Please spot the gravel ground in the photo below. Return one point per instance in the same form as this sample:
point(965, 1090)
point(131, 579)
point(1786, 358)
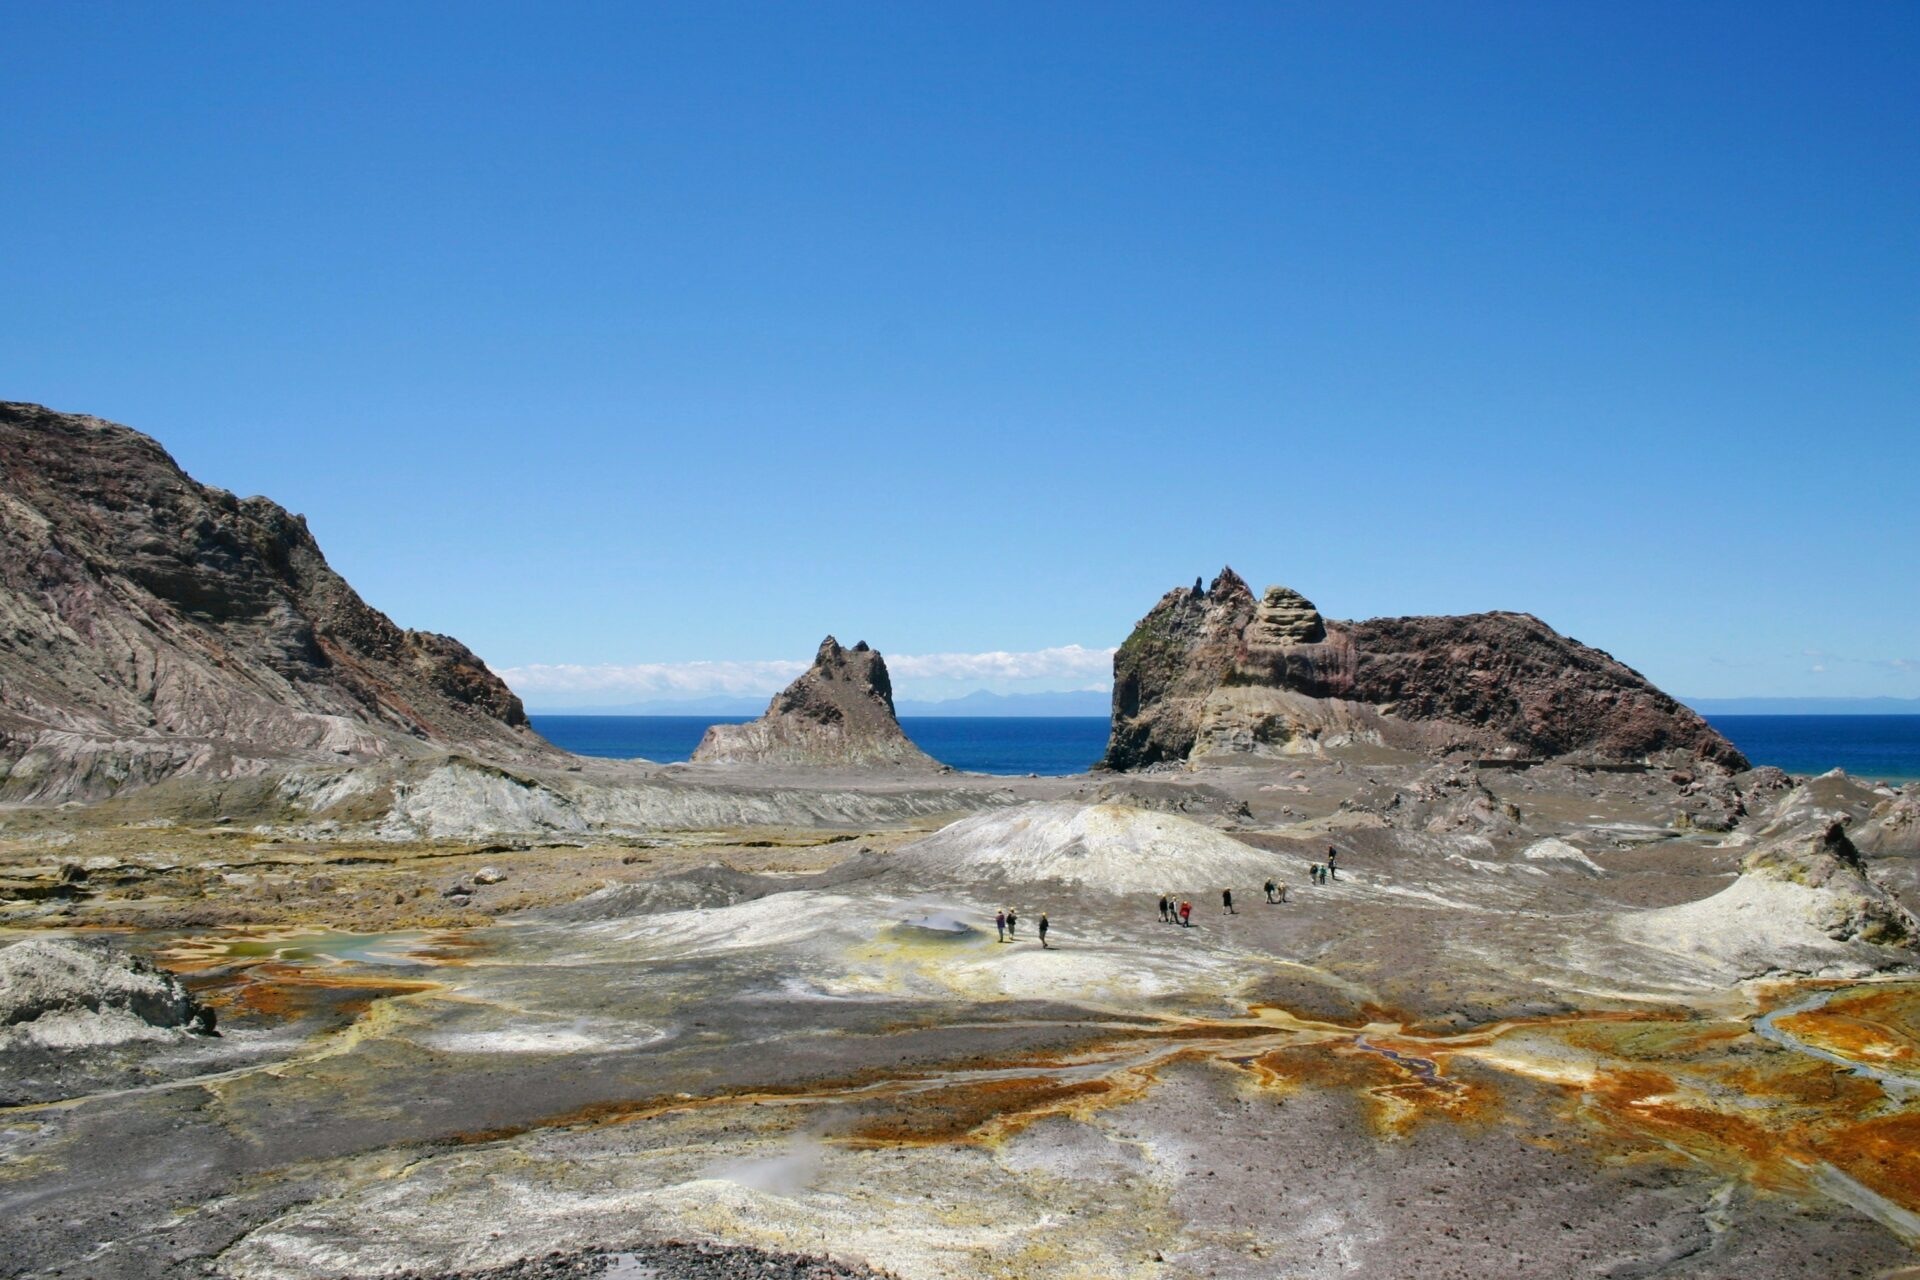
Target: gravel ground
point(670, 1261)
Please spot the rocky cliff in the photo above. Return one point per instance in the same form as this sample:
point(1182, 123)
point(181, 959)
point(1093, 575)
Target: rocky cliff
point(1215, 671)
point(152, 626)
point(838, 714)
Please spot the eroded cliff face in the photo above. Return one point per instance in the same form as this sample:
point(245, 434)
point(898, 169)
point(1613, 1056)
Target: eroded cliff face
point(1213, 671)
point(153, 626)
point(838, 714)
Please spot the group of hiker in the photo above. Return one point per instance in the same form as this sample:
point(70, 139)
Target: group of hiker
point(1007, 923)
point(1181, 912)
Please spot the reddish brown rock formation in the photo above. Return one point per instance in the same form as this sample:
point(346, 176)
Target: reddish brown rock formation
point(838, 714)
point(150, 625)
point(1214, 671)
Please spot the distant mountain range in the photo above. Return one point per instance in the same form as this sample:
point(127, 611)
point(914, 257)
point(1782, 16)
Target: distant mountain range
point(1084, 702)
point(1805, 706)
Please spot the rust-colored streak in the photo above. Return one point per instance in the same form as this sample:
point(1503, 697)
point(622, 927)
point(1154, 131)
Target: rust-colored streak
point(971, 1110)
point(286, 991)
point(1879, 1028)
point(1655, 1085)
point(1882, 1153)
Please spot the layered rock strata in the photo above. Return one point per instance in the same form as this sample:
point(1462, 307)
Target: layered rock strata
point(152, 626)
point(839, 714)
point(1214, 671)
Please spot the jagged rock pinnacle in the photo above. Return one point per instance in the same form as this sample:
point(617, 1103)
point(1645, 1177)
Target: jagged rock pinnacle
point(839, 714)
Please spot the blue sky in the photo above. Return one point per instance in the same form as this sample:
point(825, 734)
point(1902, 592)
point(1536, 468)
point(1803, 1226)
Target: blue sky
point(625, 336)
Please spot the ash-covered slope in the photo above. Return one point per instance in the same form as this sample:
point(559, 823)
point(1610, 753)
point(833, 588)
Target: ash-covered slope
point(839, 713)
point(152, 626)
point(1214, 671)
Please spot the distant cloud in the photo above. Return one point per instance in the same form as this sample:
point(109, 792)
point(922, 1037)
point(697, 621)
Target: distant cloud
point(654, 679)
point(1065, 662)
point(1064, 666)
point(1823, 658)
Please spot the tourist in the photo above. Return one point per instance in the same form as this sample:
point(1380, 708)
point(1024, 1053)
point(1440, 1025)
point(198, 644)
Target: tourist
point(1280, 893)
point(1332, 855)
point(1013, 922)
point(1226, 902)
point(1270, 888)
point(1000, 925)
point(1186, 914)
point(1166, 909)
point(1043, 930)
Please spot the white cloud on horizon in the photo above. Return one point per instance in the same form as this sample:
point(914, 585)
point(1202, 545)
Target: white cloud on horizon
point(1061, 667)
point(1063, 662)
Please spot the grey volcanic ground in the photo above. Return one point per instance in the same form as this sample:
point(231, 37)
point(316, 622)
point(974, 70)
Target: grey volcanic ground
point(1549, 1021)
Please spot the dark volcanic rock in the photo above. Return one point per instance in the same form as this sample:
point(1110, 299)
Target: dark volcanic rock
point(152, 626)
point(839, 713)
point(1216, 672)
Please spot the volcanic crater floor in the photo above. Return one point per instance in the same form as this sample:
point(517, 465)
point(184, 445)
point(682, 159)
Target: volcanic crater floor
point(1452, 1060)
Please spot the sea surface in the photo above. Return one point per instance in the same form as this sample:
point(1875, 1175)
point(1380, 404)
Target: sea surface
point(974, 744)
point(1885, 747)
point(1865, 746)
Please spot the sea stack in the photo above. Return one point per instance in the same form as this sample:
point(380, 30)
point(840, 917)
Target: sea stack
point(839, 714)
point(1217, 672)
point(154, 627)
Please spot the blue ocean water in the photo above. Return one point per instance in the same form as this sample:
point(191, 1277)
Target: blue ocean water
point(1885, 747)
point(976, 744)
point(1865, 746)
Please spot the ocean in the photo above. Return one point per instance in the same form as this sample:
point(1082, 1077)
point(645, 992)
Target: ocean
point(1866, 746)
point(1884, 747)
point(976, 744)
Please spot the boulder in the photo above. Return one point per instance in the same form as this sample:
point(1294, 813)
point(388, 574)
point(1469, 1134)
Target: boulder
point(70, 995)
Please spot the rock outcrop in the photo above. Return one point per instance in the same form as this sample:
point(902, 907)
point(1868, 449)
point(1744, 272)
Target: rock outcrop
point(839, 714)
point(1213, 671)
point(1803, 903)
point(153, 626)
point(63, 994)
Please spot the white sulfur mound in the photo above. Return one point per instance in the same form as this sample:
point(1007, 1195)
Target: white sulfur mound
point(1552, 850)
point(1104, 846)
point(1802, 904)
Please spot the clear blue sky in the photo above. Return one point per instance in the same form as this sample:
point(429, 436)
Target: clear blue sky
point(608, 334)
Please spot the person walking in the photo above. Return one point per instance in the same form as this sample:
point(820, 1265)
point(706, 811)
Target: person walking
point(1166, 908)
point(1186, 914)
point(1043, 932)
point(1226, 902)
point(1000, 925)
point(1333, 856)
point(1013, 922)
point(1270, 888)
point(1281, 891)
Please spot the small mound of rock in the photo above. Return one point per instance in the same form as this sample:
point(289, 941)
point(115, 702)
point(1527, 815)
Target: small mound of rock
point(697, 888)
point(1803, 904)
point(674, 1260)
point(1104, 846)
point(61, 994)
